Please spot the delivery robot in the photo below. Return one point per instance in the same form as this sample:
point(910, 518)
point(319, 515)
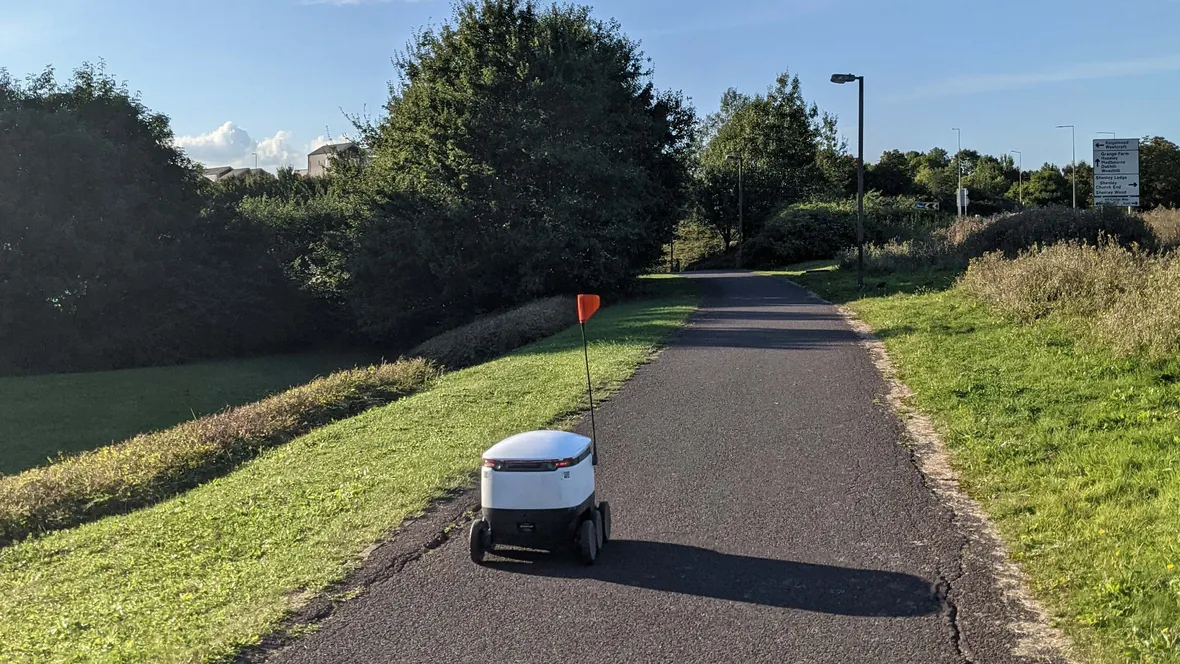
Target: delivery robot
point(537, 488)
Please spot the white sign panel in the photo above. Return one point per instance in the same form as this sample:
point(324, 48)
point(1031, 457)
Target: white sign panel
point(1116, 171)
point(1104, 144)
point(1121, 162)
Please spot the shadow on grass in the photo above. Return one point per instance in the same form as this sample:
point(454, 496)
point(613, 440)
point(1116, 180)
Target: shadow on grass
point(690, 570)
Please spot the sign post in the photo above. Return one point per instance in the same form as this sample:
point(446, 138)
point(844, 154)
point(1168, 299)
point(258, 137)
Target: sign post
point(587, 306)
point(1116, 171)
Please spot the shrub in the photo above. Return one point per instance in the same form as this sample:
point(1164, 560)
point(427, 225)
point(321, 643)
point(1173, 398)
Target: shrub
point(695, 242)
point(1166, 225)
point(494, 335)
point(967, 238)
point(1124, 298)
point(817, 230)
point(904, 256)
point(798, 234)
point(1147, 318)
point(1072, 278)
point(154, 466)
point(1014, 233)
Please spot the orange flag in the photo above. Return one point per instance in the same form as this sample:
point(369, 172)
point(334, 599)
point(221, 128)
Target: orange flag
point(587, 305)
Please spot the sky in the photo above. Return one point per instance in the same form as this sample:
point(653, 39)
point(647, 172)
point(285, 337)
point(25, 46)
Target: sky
point(276, 77)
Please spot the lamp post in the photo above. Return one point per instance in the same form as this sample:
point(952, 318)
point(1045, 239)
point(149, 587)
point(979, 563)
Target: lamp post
point(860, 174)
point(959, 167)
point(1073, 164)
point(741, 220)
point(1019, 176)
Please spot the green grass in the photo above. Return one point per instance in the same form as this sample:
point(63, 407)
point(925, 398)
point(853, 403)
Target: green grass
point(1072, 451)
point(68, 413)
point(199, 576)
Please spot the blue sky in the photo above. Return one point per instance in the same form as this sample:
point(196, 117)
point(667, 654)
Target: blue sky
point(271, 76)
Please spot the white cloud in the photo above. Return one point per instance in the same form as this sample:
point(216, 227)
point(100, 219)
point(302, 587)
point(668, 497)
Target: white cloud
point(230, 145)
point(979, 84)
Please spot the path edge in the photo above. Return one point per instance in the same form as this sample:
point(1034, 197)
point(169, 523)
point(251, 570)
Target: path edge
point(1036, 637)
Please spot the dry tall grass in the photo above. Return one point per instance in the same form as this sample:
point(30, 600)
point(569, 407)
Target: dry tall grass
point(953, 247)
point(1128, 299)
point(1166, 224)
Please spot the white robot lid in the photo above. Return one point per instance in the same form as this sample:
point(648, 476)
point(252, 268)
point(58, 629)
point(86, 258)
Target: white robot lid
point(538, 446)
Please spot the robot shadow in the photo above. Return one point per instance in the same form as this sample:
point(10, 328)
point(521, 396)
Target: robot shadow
point(690, 570)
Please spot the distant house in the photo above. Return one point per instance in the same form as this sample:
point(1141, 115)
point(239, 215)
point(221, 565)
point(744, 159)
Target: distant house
point(217, 172)
point(319, 161)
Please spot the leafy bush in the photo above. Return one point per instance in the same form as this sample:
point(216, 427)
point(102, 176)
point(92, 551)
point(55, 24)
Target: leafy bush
point(823, 229)
point(798, 234)
point(494, 335)
point(154, 466)
point(695, 241)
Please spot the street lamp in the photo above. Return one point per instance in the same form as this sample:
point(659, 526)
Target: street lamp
point(959, 164)
point(741, 221)
point(1074, 164)
point(255, 160)
point(860, 175)
point(1019, 176)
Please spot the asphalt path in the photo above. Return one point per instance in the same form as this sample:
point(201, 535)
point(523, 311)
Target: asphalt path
point(765, 509)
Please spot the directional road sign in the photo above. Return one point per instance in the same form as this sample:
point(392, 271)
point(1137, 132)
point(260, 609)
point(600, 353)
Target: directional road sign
point(924, 205)
point(1116, 171)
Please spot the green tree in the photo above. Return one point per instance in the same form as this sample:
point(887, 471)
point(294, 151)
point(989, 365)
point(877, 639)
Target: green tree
point(778, 135)
point(1045, 187)
point(107, 258)
point(1159, 173)
point(838, 167)
point(892, 175)
point(525, 152)
point(1085, 184)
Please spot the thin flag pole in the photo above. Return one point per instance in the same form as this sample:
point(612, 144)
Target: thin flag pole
point(590, 391)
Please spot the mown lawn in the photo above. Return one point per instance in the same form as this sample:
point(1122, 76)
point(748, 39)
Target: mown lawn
point(44, 416)
point(199, 576)
point(1073, 452)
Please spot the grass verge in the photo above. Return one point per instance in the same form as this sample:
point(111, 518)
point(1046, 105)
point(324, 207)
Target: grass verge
point(46, 416)
point(200, 576)
point(151, 467)
point(1073, 451)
